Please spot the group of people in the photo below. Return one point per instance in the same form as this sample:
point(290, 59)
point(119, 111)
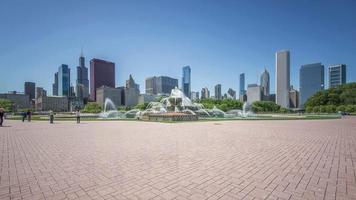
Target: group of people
point(27, 114)
point(51, 116)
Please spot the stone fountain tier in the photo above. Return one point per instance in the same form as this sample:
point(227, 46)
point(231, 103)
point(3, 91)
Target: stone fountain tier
point(170, 116)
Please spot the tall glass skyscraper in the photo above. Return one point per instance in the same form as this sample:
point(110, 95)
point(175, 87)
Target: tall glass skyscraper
point(186, 81)
point(82, 87)
point(337, 75)
point(63, 80)
point(265, 83)
point(282, 78)
point(218, 94)
point(55, 85)
point(242, 85)
point(311, 80)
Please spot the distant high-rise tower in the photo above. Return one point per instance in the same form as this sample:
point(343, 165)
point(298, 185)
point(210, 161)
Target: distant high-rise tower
point(55, 85)
point(205, 93)
point(218, 94)
point(82, 87)
point(186, 81)
point(242, 86)
point(63, 80)
point(337, 75)
point(265, 82)
point(30, 89)
point(282, 78)
point(102, 73)
point(311, 80)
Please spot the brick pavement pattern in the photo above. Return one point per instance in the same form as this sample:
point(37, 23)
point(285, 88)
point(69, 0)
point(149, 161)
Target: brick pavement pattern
point(200, 160)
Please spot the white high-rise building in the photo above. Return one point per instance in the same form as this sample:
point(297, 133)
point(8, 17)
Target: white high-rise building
point(282, 78)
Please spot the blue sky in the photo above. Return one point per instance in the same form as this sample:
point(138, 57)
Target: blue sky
point(219, 39)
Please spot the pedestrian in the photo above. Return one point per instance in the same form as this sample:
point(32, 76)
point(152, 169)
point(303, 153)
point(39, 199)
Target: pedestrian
point(77, 114)
point(2, 113)
point(29, 115)
point(51, 116)
point(24, 115)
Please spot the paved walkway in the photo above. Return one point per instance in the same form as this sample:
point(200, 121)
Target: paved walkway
point(200, 160)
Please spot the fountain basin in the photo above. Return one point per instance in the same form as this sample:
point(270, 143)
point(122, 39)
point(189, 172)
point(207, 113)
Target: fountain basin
point(170, 116)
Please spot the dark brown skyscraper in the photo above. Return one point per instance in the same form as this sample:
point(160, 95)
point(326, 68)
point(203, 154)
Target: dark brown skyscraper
point(101, 73)
point(30, 89)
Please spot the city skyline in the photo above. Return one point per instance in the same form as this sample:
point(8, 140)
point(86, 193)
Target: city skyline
point(220, 60)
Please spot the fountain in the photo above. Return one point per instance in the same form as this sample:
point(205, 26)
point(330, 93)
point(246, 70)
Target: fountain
point(176, 107)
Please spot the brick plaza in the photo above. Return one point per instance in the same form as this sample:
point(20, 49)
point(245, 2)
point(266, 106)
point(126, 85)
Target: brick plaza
point(301, 159)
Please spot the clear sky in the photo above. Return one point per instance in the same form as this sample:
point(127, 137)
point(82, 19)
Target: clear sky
point(219, 39)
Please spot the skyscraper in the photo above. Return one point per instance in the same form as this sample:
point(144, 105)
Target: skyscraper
point(55, 85)
point(337, 75)
point(242, 86)
point(30, 89)
point(311, 80)
point(282, 78)
point(102, 73)
point(186, 84)
point(218, 94)
point(82, 87)
point(205, 93)
point(40, 92)
point(265, 82)
point(254, 93)
point(63, 80)
point(160, 85)
point(231, 93)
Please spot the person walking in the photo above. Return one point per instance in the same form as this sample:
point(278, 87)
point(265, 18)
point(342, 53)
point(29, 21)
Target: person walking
point(77, 114)
point(2, 113)
point(29, 115)
point(51, 116)
point(24, 115)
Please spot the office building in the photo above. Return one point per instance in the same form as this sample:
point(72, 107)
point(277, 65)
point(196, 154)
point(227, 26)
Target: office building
point(30, 89)
point(293, 98)
point(63, 80)
point(19, 101)
point(54, 103)
point(205, 93)
point(242, 86)
point(55, 85)
point(337, 75)
point(132, 92)
point(104, 92)
point(40, 92)
point(160, 85)
point(82, 84)
point(217, 90)
point(231, 94)
point(102, 73)
point(186, 81)
point(194, 96)
point(265, 83)
point(282, 78)
point(311, 80)
point(131, 83)
point(254, 93)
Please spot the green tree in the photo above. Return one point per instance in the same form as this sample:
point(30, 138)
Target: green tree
point(92, 107)
point(6, 104)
